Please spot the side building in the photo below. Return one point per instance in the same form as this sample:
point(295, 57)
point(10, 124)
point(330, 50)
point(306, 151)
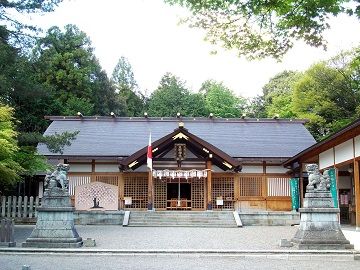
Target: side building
point(341, 151)
point(198, 163)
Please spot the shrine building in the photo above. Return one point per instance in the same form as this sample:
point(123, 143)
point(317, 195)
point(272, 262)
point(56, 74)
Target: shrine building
point(197, 163)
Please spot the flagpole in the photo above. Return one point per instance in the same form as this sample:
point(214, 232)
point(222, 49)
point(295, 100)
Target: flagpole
point(150, 205)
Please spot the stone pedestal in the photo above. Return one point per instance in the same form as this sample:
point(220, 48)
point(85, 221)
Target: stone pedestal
point(319, 225)
point(55, 223)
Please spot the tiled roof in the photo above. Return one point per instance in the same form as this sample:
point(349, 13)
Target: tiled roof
point(106, 136)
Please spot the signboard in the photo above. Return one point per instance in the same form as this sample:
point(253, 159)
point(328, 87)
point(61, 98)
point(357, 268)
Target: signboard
point(219, 200)
point(128, 200)
point(96, 196)
point(295, 193)
point(333, 187)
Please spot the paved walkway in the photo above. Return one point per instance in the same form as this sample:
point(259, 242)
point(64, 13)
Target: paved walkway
point(254, 247)
point(170, 238)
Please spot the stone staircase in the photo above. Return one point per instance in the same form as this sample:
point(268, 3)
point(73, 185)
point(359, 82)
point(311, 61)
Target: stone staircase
point(220, 219)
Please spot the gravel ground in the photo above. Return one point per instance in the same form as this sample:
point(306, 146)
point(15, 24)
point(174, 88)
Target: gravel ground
point(117, 237)
point(249, 238)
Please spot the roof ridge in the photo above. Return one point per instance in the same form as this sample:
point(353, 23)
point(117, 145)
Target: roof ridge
point(174, 119)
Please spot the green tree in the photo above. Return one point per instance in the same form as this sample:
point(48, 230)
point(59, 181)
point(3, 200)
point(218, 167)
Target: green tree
point(259, 29)
point(221, 101)
point(131, 99)
point(278, 94)
point(20, 90)
point(320, 95)
point(66, 64)
point(10, 169)
point(172, 97)
point(256, 107)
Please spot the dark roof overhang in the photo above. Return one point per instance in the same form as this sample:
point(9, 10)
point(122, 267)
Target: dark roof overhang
point(196, 144)
point(348, 132)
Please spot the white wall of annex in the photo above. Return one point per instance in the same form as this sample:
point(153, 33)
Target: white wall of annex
point(326, 158)
point(357, 146)
point(106, 168)
point(276, 169)
point(344, 151)
point(252, 169)
point(80, 167)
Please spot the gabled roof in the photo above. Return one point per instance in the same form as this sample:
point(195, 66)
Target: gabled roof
point(346, 133)
point(198, 145)
point(239, 138)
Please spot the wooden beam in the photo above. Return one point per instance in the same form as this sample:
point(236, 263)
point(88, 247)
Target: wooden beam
point(209, 185)
point(357, 194)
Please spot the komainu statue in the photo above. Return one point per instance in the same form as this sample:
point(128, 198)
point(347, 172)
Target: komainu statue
point(58, 178)
point(317, 181)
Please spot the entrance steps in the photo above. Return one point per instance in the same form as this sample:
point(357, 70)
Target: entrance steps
point(219, 219)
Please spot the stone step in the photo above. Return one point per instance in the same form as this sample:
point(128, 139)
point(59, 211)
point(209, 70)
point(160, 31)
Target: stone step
point(181, 225)
point(182, 218)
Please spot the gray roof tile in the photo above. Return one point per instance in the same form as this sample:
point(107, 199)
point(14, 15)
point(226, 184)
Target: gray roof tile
point(238, 138)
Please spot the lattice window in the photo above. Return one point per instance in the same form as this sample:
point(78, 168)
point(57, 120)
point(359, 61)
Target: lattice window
point(251, 186)
point(223, 187)
point(160, 194)
point(108, 179)
point(136, 187)
point(77, 180)
point(197, 194)
point(278, 186)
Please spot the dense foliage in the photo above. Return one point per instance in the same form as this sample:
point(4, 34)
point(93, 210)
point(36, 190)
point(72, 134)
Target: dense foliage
point(259, 29)
point(327, 94)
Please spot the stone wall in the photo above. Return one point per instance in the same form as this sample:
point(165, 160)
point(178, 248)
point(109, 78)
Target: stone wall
point(266, 218)
point(98, 217)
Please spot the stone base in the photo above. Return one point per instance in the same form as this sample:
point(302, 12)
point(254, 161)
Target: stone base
point(53, 243)
point(325, 246)
point(55, 225)
point(319, 226)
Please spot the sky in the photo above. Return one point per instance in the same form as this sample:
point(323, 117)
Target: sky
point(147, 33)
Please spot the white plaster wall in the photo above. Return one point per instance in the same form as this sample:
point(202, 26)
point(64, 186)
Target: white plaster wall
point(326, 158)
point(276, 169)
point(344, 182)
point(344, 151)
point(106, 168)
point(252, 169)
point(357, 146)
point(80, 167)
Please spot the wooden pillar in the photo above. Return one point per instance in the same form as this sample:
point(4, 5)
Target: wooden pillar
point(209, 185)
point(121, 190)
point(264, 184)
point(237, 191)
point(150, 205)
point(301, 185)
point(357, 194)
